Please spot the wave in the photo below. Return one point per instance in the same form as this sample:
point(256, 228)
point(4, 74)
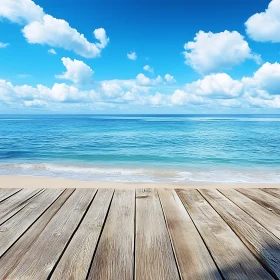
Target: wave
point(122, 174)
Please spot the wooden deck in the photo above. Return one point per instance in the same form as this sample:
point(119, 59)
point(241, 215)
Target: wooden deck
point(154, 234)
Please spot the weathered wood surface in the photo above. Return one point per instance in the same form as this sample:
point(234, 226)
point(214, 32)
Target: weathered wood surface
point(273, 192)
point(13, 228)
point(38, 261)
point(15, 203)
point(141, 234)
point(114, 257)
point(154, 258)
point(265, 217)
point(193, 258)
point(263, 244)
point(264, 199)
point(233, 258)
point(5, 193)
point(76, 260)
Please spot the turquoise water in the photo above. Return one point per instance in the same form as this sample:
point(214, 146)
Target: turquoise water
point(171, 148)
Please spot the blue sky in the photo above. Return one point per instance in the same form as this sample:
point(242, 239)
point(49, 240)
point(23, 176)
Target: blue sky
point(107, 56)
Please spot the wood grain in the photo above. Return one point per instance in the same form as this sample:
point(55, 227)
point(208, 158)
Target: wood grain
point(76, 259)
point(12, 257)
point(265, 217)
point(154, 258)
point(12, 229)
point(114, 256)
point(5, 193)
point(42, 255)
point(264, 245)
point(233, 258)
point(193, 258)
point(273, 192)
point(264, 199)
point(15, 203)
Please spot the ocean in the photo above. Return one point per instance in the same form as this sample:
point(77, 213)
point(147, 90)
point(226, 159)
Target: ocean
point(142, 148)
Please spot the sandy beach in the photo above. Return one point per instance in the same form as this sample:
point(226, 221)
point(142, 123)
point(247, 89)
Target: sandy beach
point(41, 182)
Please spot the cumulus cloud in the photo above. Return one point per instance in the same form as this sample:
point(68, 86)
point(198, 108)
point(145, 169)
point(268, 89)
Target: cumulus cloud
point(52, 51)
point(148, 68)
point(213, 52)
point(262, 90)
point(169, 79)
point(41, 28)
point(21, 11)
point(265, 26)
point(41, 95)
point(266, 78)
point(111, 90)
point(145, 81)
point(220, 86)
point(76, 71)
point(3, 45)
point(181, 97)
point(35, 103)
point(213, 91)
point(132, 56)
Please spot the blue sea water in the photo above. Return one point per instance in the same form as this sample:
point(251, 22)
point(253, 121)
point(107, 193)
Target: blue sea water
point(142, 148)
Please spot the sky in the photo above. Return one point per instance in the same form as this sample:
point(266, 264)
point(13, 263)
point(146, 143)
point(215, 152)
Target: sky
point(149, 56)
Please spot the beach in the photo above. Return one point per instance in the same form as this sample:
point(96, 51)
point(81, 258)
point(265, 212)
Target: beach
point(139, 197)
point(44, 182)
point(181, 149)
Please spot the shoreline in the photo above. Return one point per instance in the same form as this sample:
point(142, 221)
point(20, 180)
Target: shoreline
point(17, 181)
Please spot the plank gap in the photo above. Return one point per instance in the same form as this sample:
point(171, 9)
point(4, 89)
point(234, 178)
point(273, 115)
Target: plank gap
point(35, 222)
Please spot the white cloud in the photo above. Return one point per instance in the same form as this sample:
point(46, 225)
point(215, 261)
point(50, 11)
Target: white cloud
point(111, 90)
point(157, 100)
point(214, 91)
point(52, 51)
point(30, 96)
point(143, 80)
point(35, 103)
point(169, 79)
point(231, 103)
point(132, 56)
point(77, 71)
point(44, 29)
point(3, 45)
point(265, 26)
point(100, 34)
point(20, 11)
point(181, 97)
point(266, 78)
point(213, 52)
point(219, 86)
point(262, 90)
point(148, 68)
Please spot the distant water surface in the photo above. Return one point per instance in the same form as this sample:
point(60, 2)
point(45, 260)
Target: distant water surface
point(142, 148)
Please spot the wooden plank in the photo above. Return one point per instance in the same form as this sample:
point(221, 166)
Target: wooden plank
point(264, 199)
point(5, 193)
point(154, 258)
point(265, 217)
point(41, 256)
point(193, 258)
point(264, 245)
point(274, 192)
point(13, 256)
point(15, 203)
point(114, 255)
point(13, 228)
point(76, 260)
point(233, 258)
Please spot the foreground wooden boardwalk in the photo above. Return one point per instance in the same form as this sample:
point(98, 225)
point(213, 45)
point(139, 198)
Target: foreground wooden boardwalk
point(139, 234)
